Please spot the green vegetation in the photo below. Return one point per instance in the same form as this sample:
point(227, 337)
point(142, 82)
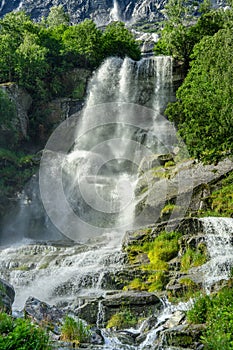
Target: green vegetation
point(193, 257)
point(75, 331)
point(182, 30)
point(159, 252)
point(122, 319)
point(168, 209)
point(204, 105)
point(38, 57)
point(220, 201)
point(21, 334)
point(35, 54)
point(15, 169)
point(164, 248)
point(7, 110)
point(216, 312)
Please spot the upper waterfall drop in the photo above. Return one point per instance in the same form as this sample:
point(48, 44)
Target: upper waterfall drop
point(115, 12)
point(113, 133)
point(109, 134)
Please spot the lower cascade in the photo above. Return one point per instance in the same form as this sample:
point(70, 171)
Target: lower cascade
point(66, 243)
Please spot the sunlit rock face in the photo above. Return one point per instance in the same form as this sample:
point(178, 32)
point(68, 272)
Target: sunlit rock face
point(102, 11)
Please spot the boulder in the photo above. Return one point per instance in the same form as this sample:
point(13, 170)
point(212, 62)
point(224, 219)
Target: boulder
point(99, 311)
point(42, 313)
point(175, 319)
point(7, 296)
point(89, 310)
point(141, 304)
point(184, 336)
point(184, 186)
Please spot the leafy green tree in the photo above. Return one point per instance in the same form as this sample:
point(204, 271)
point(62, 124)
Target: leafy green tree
point(17, 23)
point(8, 46)
point(117, 40)
point(31, 64)
point(7, 109)
point(182, 30)
point(12, 29)
point(203, 111)
point(56, 17)
point(82, 43)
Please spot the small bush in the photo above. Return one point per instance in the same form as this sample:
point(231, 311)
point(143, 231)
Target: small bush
point(136, 284)
point(75, 330)
point(160, 251)
point(193, 258)
point(157, 281)
point(122, 319)
point(21, 334)
point(6, 324)
point(198, 314)
point(164, 248)
point(217, 312)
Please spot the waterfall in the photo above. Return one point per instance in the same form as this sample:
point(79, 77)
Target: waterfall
point(114, 133)
point(98, 177)
point(218, 236)
point(115, 12)
point(120, 124)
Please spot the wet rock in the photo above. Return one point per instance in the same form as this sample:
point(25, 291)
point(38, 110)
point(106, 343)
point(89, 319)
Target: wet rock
point(96, 337)
point(7, 296)
point(153, 161)
point(175, 319)
point(42, 313)
point(126, 337)
point(189, 227)
point(184, 336)
point(148, 324)
point(22, 101)
point(141, 304)
point(88, 310)
point(186, 184)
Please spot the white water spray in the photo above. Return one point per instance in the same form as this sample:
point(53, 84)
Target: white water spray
point(218, 235)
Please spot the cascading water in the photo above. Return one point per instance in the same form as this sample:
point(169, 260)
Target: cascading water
point(98, 177)
point(218, 235)
point(115, 13)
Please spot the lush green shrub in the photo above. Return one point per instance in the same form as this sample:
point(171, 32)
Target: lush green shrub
point(75, 331)
point(159, 252)
point(162, 249)
point(203, 107)
point(122, 319)
point(193, 257)
point(182, 30)
point(117, 40)
point(6, 324)
point(217, 312)
point(21, 334)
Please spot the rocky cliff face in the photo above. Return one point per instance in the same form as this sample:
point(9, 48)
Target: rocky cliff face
point(22, 102)
point(102, 11)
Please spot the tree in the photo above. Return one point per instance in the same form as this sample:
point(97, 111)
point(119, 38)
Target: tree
point(31, 64)
point(182, 30)
point(7, 109)
point(8, 46)
point(17, 23)
point(203, 111)
point(119, 41)
point(82, 43)
point(56, 17)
